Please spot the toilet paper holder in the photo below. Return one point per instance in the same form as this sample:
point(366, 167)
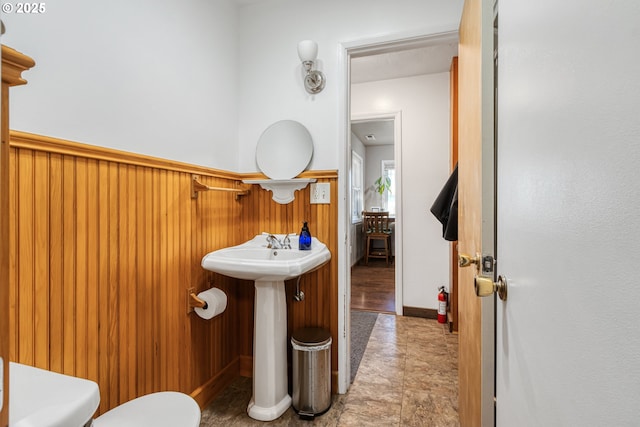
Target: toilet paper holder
point(193, 301)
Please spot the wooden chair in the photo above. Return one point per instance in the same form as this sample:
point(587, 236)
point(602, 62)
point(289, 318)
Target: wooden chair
point(376, 227)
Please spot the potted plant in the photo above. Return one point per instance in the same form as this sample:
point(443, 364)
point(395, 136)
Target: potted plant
point(381, 185)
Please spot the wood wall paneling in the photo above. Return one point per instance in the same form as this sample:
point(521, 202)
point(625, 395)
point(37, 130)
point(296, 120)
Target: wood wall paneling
point(103, 253)
point(105, 245)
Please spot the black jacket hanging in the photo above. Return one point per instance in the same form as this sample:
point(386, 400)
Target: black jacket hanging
point(445, 207)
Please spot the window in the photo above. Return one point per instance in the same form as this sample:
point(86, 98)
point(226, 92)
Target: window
point(389, 197)
point(357, 195)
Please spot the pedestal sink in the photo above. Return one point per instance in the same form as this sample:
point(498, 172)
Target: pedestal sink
point(268, 268)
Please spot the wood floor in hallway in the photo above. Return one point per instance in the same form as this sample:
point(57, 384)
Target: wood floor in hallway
point(408, 377)
point(373, 287)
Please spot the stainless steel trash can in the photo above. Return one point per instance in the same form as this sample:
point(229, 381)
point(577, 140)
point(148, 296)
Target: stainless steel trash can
point(311, 360)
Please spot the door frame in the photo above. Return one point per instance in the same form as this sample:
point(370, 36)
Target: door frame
point(433, 35)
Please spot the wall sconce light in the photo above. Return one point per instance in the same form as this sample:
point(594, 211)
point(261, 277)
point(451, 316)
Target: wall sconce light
point(314, 80)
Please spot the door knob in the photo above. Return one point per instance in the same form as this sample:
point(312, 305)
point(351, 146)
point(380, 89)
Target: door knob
point(465, 260)
point(485, 286)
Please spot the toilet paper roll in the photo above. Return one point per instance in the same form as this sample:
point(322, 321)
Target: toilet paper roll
point(216, 301)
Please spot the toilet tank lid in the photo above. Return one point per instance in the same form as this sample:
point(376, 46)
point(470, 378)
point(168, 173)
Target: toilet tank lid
point(161, 409)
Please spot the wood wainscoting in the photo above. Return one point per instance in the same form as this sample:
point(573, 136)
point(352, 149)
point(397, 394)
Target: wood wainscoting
point(104, 245)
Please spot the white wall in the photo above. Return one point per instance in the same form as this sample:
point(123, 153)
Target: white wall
point(424, 102)
point(568, 350)
point(197, 80)
point(156, 77)
point(358, 147)
point(270, 72)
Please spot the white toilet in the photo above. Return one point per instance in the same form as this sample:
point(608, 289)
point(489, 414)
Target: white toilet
point(162, 409)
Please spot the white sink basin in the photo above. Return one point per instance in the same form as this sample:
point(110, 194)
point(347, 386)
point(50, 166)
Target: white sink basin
point(41, 398)
point(252, 260)
point(268, 268)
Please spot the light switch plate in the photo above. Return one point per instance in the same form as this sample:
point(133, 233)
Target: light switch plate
point(321, 193)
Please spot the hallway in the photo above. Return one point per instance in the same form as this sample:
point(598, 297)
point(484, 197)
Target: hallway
point(373, 287)
point(408, 377)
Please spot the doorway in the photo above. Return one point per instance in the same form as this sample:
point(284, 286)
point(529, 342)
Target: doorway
point(404, 84)
point(374, 142)
point(411, 123)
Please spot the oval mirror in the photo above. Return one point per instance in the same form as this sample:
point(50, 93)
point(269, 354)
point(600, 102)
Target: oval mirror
point(284, 150)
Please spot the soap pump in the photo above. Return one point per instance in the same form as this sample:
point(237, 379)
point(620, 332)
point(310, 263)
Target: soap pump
point(304, 241)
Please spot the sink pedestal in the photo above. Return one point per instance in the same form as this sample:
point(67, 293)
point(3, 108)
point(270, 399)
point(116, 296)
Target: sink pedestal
point(270, 395)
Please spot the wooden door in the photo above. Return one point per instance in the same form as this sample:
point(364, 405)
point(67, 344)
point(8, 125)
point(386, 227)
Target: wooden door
point(476, 234)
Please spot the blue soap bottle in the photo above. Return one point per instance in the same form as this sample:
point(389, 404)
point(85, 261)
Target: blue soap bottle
point(304, 241)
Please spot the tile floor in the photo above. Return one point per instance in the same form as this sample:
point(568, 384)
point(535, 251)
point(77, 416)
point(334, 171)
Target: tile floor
point(408, 377)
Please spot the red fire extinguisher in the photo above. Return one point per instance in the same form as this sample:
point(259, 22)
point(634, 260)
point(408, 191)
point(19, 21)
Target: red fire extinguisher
point(442, 305)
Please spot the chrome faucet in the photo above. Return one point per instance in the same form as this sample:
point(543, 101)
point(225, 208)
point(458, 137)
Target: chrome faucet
point(275, 243)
